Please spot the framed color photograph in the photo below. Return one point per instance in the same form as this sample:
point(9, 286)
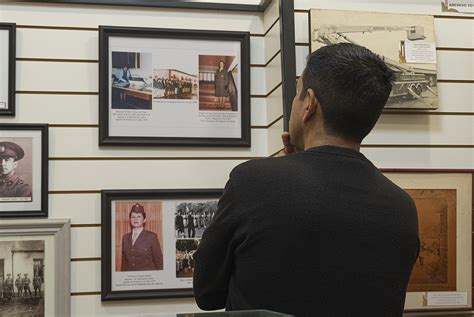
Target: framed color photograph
point(23, 170)
point(174, 87)
point(149, 238)
point(7, 67)
point(442, 275)
point(35, 268)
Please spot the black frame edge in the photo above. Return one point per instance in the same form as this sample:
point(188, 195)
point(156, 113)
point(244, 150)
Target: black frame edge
point(11, 27)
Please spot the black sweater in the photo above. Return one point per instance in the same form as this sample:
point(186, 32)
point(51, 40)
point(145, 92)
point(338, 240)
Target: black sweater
point(318, 233)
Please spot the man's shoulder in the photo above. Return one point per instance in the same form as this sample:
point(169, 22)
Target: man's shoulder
point(262, 166)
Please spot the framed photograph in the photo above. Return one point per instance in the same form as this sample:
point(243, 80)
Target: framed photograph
point(7, 65)
point(35, 268)
point(149, 238)
point(23, 170)
point(174, 87)
point(442, 277)
point(406, 43)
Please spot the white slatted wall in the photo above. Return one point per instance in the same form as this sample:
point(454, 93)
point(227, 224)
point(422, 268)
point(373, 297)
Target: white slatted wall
point(439, 139)
point(57, 83)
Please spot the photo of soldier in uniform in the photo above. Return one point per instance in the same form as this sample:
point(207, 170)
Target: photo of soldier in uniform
point(174, 84)
point(21, 269)
point(15, 169)
point(192, 218)
point(138, 236)
point(218, 83)
point(131, 80)
point(185, 249)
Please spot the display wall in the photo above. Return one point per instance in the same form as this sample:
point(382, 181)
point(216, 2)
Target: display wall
point(57, 83)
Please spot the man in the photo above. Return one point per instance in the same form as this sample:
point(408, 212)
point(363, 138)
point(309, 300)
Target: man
point(37, 285)
point(319, 231)
point(19, 285)
point(9, 287)
point(191, 225)
point(10, 184)
point(2, 286)
point(26, 284)
point(141, 250)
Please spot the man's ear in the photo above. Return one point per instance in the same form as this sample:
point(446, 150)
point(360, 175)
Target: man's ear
point(311, 105)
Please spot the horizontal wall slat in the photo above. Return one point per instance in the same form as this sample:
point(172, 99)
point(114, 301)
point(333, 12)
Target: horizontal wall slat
point(81, 209)
point(422, 129)
point(97, 175)
point(81, 45)
point(420, 157)
point(83, 109)
point(272, 42)
point(85, 144)
point(457, 65)
point(273, 73)
point(271, 14)
point(90, 305)
point(93, 16)
point(85, 242)
point(85, 276)
point(83, 77)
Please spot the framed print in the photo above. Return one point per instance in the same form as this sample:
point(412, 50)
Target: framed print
point(7, 65)
point(23, 170)
point(149, 238)
point(35, 268)
point(442, 277)
point(174, 87)
point(405, 42)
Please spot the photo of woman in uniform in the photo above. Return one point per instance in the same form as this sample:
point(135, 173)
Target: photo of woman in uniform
point(218, 83)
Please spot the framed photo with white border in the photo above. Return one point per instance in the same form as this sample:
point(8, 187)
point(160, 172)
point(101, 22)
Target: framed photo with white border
point(7, 65)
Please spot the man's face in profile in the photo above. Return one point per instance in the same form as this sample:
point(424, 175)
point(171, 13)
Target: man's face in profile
point(137, 220)
point(8, 165)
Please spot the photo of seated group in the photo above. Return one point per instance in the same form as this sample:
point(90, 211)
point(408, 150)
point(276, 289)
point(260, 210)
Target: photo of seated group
point(174, 84)
point(218, 83)
point(191, 219)
point(132, 83)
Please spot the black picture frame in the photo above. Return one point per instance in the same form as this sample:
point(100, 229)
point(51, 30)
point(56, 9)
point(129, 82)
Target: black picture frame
point(107, 32)
point(42, 211)
point(11, 72)
point(109, 196)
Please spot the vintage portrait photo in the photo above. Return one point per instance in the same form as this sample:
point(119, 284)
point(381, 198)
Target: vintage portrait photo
point(217, 83)
point(22, 278)
point(7, 65)
point(192, 218)
point(138, 236)
point(174, 87)
point(406, 43)
point(174, 84)
point(16, 170)
point(23, 170)
point(435, 269)
point(131, 80)
point(185, 249)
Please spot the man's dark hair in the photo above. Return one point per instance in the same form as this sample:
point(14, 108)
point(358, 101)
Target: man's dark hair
point(352, 85)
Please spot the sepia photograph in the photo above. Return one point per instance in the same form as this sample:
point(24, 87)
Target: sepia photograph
point(16, 169)
point(392, 37)
point(435, 269)
point(185, 249)
point(174, 84)
point(22, 278)
point(7, 65)
point(217, 83)
point(192, 218)
point(23, 170)
point(131, 79)
point(138, 236)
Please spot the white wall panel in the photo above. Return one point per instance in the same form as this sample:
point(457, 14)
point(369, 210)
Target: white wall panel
point(257, 81)
point(274, 137)
point(271, 14)
point(85, 144)
point(257, 50)
point(80, 208)
point(96, 175)
point(275, 105)
point(456, 97)
point(272, 42)
point(273, 73)
point(93, 16)
point(422, 129)
point(88, 306)
point(301, 27)
point(85, 276)
point(421, 157)
point(85, 242)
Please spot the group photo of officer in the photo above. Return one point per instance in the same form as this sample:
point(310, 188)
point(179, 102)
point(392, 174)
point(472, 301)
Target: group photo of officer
point(192, 218)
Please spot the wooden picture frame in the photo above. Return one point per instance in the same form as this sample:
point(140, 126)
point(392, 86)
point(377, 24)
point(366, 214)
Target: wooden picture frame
point(165, 271)
point(24, 181)
point(54, 237)
point(168, 87)
point(8, 77)
point(445, 204)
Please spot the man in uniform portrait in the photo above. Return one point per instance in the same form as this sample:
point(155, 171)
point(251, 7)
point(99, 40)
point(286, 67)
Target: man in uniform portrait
point(11, 185)
point(141, 250)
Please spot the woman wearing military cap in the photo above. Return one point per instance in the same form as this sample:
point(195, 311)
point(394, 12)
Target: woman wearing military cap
point(10, 184)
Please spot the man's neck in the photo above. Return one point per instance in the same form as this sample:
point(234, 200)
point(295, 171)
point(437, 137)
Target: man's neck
point(332, 141)
point(7, 176)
